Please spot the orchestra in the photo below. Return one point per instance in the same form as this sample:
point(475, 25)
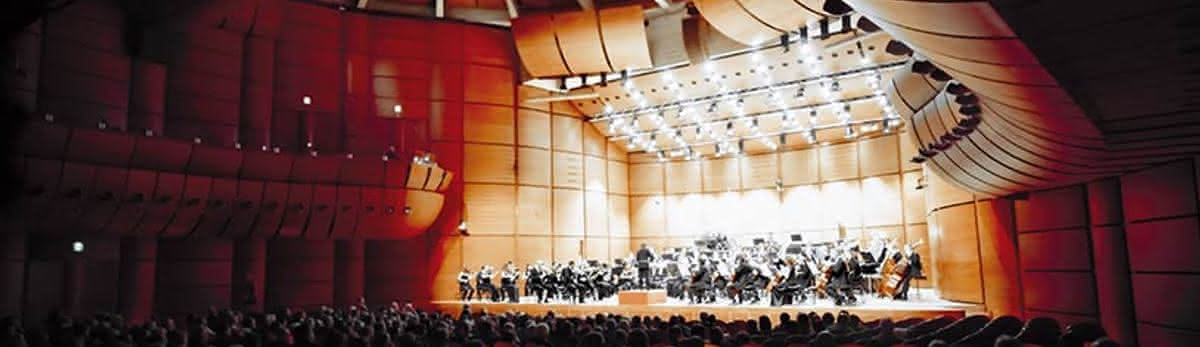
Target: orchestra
point(715, 271)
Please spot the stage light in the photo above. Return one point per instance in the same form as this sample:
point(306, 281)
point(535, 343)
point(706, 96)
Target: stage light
point(102, 124)
point(77, 247)
point(349, 155)
point(306, 100)
point(148, 132)
point(49, 117)
point(397, 109)
point(197, 140)
point(462, 227)
point(237, 145)
point(811, 136)
point(850, 131)
point(407, 211)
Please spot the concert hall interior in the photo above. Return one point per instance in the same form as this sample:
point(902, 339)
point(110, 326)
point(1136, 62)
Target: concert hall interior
point(999, 159)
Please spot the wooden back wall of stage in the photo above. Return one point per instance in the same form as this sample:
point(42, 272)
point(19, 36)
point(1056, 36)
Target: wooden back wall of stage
point(862, 186)
point(1119, 251)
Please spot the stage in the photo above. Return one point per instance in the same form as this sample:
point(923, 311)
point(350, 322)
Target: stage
point(924, 304)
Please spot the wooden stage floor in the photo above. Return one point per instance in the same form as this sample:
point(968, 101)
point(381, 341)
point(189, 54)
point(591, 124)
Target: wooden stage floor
point(925, 305)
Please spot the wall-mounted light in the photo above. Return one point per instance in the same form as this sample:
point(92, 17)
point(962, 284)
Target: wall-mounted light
point(407, 211)
point(306, 100)
point(462, 228)
point(398, 110)
point(77, 247)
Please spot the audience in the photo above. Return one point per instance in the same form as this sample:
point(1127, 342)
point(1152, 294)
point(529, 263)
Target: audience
point(403, 326)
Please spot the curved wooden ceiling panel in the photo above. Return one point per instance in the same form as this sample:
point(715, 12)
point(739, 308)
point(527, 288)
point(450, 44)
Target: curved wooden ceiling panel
point(537, 45)
point(988, 50)
point(814, 6)
point(780, 15)
point(624, 37)
point(579, 42)
point(731, 19)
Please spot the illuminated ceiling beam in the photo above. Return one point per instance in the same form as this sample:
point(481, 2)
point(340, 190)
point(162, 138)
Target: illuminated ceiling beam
point(586, 5)
point(663, 3)
point(362, 3)
point(439, 8)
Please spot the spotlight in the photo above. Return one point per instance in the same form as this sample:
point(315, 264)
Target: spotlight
point(970, 110)
point(103, 124)
point(462, 227)
point(799, 92)
point(917, 160)
point(956, 88)
point(397, 109)
point(306, 100)
point(849, 131)
point(811, 136)
point(77, 247)
point(197, 140)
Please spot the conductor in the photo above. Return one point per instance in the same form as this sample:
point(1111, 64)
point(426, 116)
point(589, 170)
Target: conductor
point(644, 256)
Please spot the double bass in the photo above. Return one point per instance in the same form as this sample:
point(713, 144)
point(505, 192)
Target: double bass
point(893, 271)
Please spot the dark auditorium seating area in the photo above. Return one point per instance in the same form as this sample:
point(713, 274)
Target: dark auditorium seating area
point(398, 325)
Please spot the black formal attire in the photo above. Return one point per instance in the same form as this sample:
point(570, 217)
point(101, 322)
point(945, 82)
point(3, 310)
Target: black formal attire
point(913, 270)
point(644, 256)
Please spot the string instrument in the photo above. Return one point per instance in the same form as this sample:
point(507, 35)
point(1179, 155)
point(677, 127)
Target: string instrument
point(893, 271)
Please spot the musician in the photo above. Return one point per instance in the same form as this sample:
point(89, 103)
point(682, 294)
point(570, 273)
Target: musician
point(796, 278)
point(744, 276)
point(464, 285)
point(840, 286)
point(508, 282)
point(698, 286)
point(644, 257)
point(602, 281)
point(912, 270)
point(483, 283)
point(566, 281)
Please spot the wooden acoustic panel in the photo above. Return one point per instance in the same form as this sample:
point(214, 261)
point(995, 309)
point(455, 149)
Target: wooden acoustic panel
point(1058, 250)
point(881, 200)
point(683, 177)
point(956, 255)
point(1153, 299)
point(759, 171)
point(532, 249)
point(533, 211)
point(568, 212)
point(682, 212)
point(488, 123)
point(618, 216)
point(998, 257)
point(488, 164)
point(646, 178)
point(618, 177)
point(799, 167)
point(728, 17)
point(579, 42)
point(533, 166)
point(1163, 191)
point(595, 214)
point(624, 36)
point(1052, 209)
point(804, 208)
point(489, 208)
point(878, 155)
point(647, 216)
point(568, 170)
point(1164, 245)
point(537, 45)
point(567, 134)
point(838, 162)
point(914, 199)
point(720, 175)
point(1066, 292)
point(780, 15)
point(533, 128)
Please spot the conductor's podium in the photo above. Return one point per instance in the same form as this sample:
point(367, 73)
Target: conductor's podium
point(642, 297)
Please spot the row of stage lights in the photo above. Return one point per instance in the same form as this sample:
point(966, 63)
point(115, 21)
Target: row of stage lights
point(726, 142)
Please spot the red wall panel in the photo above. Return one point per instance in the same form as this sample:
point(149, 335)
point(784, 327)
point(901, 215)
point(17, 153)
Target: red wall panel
point(320, 219)
point(297, 209)
point(161, 207)
point(160, 153)
point(1056, 250)
point(345, 221)
point(1168, 190)
point(270, 214)
point(71, 199)
point(1052, 209)
point(136, 280)
point(107, 193)
point(1160, 299)
point(1164, 245)
point(44, 140)
point(190, 207)
point(193, 275)
point(147, 96)
point(1066, 292)
point(348, 272)
point(100, 147)
point(138, 193)
point(395, 271)
point(299, 273)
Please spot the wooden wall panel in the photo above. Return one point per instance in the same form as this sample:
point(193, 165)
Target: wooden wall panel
point(488, 85)
point(1168, 190)
point(881, 201)
point(803, 208)
point(878, 156)
point(942, 193)
point(720, 212)
point(915, 232)
point(533, 166)
point(533, 128)
point(595, 174)
point(1066, 292)
point(799, 167)
point(489, 124)
point(647, 216)
point(619, 247)
point(494, 250)
point(1052, 209)
point(568, 248)
point(594, 143)
point(957, 260)
point(568, 170)
point(1104, 202)
point(646, 178)
point(759, 171)
point(489, 208)
point(1113, 292)
point(914, 199)
point(760, 211)
point(533, 211)
point(536, 44)
point(489, 164)
point(1158, 300)
point(1061, 250)
point(1164, 245)
point(842, 201)
point(907, 151)
point(618, 177)
point(998, 258)
point(618, 216)
point(567, 134)
point(596, 249)
point(838, 162)
point(720, 175)
point(683, 177)
point(531, 249)
point(682, 214)
point(568, 212)
point(595, 209)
